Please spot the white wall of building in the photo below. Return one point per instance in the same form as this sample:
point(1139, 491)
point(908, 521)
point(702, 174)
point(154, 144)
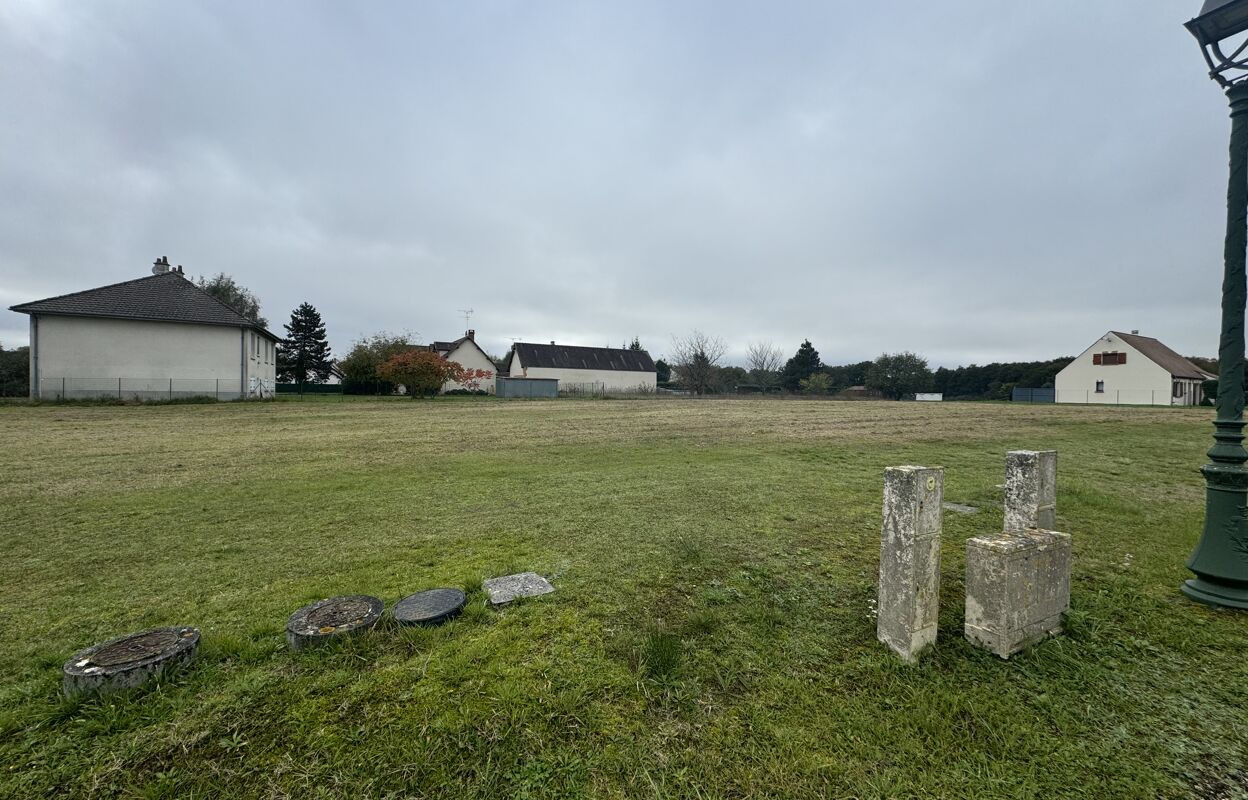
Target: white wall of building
point(612, 380)
point(469, 356)
point(1140, 381)
point(261, 364)
point(85, 356)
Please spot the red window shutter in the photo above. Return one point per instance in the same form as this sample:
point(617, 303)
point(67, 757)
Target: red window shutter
point(1096, 359)
point(1122, 358)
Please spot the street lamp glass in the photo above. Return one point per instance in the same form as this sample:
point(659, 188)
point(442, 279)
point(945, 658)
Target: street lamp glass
point(1218, 20)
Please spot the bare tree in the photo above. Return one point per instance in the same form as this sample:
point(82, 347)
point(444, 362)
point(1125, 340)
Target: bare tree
point(764, 360)
point(696, 360)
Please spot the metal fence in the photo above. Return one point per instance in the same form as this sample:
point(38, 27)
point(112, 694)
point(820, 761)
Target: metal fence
point(1091, 397)
point(151, 389)
point(1034, 395)
point(592, 389)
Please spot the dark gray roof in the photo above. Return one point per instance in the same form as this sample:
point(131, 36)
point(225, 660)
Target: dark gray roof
point(446, 347)
point(168, 297)
point(1164, 357)
point(560, 356)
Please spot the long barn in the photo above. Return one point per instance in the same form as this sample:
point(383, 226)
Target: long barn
point(616, 370)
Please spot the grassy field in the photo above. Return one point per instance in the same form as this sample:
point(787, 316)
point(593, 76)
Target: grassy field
point(712, 633)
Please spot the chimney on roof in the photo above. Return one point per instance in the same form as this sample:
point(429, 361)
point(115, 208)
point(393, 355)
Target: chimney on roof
point(160, 266)
point(472, 335)
point(1136, 332)
point(552, 342)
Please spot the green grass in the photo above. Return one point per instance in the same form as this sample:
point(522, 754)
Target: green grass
point(712, 633)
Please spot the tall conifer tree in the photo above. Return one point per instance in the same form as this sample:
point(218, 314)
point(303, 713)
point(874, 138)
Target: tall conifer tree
point(804, 363)
point(304, 356)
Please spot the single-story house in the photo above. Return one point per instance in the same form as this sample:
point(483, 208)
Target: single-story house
point(150, 338)
point(468, 354)
point(335, 376)
point(1129, 369)
point(611, 369)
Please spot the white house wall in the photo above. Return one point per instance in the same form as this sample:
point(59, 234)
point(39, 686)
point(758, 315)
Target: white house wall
point(612, 380)
point(261, 364)
point(469, 356)
point(1140, 381)
point(83, 356)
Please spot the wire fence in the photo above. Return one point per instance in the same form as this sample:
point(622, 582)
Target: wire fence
point(1189, 396)
point(152, 389)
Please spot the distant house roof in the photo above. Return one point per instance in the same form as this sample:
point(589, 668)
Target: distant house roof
point(560, 356)
point(445, 347)
point(1164, 357)
point(168, 297)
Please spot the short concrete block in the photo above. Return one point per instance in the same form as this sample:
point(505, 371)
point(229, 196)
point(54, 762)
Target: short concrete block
point(1017, 588)
point(1030, 489)
point(511, 587)
point(909, 591)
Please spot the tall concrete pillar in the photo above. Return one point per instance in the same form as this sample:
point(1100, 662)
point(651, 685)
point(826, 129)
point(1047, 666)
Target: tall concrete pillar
point(909, 590)
point(1030, 489)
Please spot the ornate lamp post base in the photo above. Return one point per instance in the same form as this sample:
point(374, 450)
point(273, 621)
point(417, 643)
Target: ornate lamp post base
point(1220, 560)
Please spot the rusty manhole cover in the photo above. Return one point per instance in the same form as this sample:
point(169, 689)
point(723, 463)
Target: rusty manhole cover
point(332, 617)
point(432, 607)
point(128, 661)
point(138, 647)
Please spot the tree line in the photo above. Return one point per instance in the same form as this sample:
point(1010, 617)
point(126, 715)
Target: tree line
point(696, 368)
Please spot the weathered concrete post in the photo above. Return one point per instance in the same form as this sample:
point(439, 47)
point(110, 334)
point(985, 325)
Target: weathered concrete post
point(1030, 489)
point(1017, 588)
point(909, 591)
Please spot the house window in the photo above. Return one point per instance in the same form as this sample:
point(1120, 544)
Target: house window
point(1100, 387)
point(1178, 389)
point(1109, 359)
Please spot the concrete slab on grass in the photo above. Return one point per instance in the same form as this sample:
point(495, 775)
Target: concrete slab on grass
point(509, 587)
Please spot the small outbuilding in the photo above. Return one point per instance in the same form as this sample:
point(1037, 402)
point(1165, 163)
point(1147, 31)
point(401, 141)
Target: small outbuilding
point(604, 369)
point(1129, 369)
point(155, 337)
point(531, 388)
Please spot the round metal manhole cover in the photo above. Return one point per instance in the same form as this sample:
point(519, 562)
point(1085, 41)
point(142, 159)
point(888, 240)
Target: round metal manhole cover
point(128, 661)
point(332, 617)
point(139, 647)
point(432, 607)
point(336, 614)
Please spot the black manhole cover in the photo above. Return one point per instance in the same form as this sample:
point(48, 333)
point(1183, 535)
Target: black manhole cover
point(429, 608)
point(128, 661)
point(335, 616)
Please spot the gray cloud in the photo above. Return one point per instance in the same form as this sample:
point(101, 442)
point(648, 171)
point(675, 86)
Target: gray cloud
point(965, 180)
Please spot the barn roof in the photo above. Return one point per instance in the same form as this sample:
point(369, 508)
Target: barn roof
point(168, 297)
point(562, 356)
point(1162, 356)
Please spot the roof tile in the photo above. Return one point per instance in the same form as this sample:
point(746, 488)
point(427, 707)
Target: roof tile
point(168, 297)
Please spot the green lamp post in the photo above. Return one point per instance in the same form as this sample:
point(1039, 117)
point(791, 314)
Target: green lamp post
point(1220, 560)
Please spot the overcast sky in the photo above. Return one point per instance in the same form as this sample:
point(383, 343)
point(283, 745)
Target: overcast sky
point(972, 180)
